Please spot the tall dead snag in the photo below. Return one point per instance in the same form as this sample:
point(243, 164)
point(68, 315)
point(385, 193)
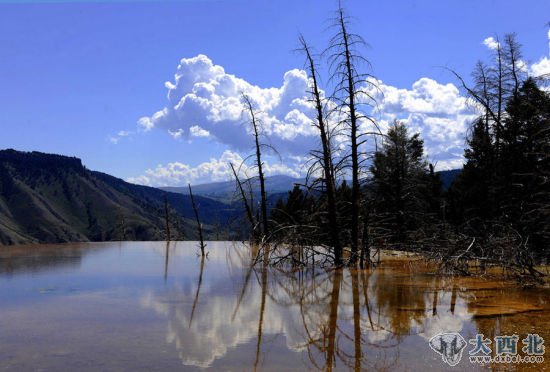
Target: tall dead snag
point(199, 226)
point(249, 214)
point(256, 128)
point(166, 218)
point(345, 61)
point(500, 95)
point(495, 84)
point(324, 157)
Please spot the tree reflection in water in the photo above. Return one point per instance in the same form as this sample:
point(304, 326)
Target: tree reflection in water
point(330, 319)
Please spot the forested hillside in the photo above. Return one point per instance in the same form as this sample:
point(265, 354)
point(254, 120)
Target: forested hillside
point(51, 198)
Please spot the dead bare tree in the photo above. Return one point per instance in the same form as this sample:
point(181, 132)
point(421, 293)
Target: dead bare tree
point(513, 58)
point(166, 218)
point(324, 157)
point(199, 225)
point(256, 129)
point(122, 225)
point(495, 84)
point(345, 62)
point(249, 214)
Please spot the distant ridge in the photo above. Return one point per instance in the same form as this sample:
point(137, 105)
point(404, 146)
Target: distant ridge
point(278, 185)
point(47, 198)
point(447, 177)
point(225, 191)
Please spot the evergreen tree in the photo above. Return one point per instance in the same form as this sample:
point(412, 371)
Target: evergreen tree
point(525, 165)
point(508, 189)
point(401, 183)
point(294, 212)
point(477, 178)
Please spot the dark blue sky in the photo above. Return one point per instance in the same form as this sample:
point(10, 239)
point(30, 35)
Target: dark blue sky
point(73, 74)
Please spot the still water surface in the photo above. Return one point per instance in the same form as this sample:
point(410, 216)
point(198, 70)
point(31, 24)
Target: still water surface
point(156, 306)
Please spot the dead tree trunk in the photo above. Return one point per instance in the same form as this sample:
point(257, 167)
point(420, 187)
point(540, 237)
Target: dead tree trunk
point(249, 214)
point(199, 225)
point(166, 218)
point(345, 61)
point(326, 158)
point(255, 127)
point(500, 99)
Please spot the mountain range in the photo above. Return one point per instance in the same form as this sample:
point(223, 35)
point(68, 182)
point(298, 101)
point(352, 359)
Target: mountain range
point(47, 198)
point(226, 191)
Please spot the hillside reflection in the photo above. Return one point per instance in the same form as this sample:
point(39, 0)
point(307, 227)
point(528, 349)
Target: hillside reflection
point(22, 259)
point(351, 319)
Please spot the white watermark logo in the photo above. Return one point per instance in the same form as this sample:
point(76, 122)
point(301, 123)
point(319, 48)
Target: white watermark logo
point(451, 345)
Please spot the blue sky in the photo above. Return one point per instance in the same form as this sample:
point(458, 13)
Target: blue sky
point(77, 76)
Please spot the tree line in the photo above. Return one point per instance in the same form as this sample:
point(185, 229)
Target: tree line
point(369, 189)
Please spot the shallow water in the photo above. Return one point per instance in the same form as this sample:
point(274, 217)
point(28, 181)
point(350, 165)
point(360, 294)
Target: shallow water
point(153, 306)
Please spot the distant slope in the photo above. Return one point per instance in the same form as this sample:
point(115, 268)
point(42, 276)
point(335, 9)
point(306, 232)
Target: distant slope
point(448, 176)
point(53, 198)
point(226, 191)
point(211, 211)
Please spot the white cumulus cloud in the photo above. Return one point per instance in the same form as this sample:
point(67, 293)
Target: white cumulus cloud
point(542, 66)
point(178, 174)
point(437, 111)
point(197, 131)
point(491, 43)
point(204, 100)
point(176, 134)
point(115, 139)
